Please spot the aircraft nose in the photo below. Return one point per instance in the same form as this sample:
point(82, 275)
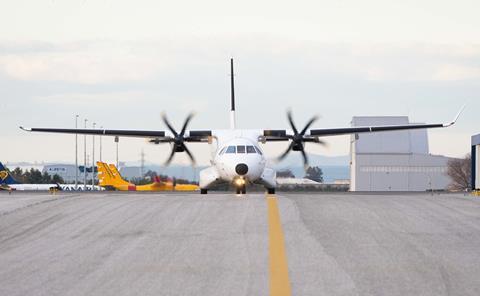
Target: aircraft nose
point(241, 169)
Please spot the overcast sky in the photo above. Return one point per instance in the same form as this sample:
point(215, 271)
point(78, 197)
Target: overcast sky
point(121, 63)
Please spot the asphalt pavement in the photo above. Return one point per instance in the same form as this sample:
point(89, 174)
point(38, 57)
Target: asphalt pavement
point(187, 244)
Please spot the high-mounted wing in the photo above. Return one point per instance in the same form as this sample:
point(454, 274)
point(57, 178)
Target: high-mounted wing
point(102, 132)
point(284, 135)
point(385, 128)
point(178, 139)
point(299, 138)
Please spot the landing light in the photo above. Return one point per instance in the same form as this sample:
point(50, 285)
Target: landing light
point(239, 182)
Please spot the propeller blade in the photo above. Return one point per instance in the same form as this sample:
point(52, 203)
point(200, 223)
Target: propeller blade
point(170, 127)
point(281, 157)
point(314, 118)
point(305, 158)
point(290, 120)
point(189, 154)
point(185, 124)
point(169, 160)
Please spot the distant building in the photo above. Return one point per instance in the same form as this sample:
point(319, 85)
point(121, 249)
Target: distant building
point(67, 172)
point(394, 161)
point(475, 162)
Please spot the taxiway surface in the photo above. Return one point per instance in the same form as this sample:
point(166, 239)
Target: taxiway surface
point(185, 244)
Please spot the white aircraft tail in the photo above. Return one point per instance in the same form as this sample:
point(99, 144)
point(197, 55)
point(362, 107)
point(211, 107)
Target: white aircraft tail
point(233, 118)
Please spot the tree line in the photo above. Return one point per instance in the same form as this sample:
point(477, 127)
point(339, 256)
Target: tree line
point(312, 173)
point(34, 176)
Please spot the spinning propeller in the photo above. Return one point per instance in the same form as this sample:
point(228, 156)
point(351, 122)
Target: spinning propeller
point(299, 139)
point(178, 139)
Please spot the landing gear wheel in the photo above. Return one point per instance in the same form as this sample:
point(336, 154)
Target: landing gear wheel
point(203, 191)
point(271, 190)
point(241, 190)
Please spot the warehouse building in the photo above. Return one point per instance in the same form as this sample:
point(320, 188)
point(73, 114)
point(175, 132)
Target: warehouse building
point(394, 161)
point(475, 160)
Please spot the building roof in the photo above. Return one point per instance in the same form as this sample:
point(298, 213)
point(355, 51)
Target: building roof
point(476, 139)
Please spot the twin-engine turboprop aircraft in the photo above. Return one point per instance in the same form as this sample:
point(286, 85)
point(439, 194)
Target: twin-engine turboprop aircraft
point(238, 158)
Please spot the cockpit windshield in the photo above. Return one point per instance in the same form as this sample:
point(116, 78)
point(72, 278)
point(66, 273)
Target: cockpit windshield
point(230, 149)
point(249, 149)
point(240, 149)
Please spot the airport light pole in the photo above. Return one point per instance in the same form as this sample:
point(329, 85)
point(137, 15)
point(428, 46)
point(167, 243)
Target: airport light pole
point(116, 142)
point(76, 153)
point(93, 158)
point(101, 144)
point(85, 158)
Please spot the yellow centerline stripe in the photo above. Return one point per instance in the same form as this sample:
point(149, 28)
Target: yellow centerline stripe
point(279, 281)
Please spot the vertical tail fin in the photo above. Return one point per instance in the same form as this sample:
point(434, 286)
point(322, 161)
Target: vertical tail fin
point(109, 177)
point(233, 118)
point(116, 175)
point(5, 176)
point(105, 176)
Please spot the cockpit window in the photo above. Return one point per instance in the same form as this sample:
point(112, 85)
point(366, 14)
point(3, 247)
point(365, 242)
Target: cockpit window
point(230, 149)
point(240, 149)
point(250, 149)
point(258, 150)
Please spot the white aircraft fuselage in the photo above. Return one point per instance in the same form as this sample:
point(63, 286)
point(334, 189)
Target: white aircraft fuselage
point(34, 187)
point(238, 159)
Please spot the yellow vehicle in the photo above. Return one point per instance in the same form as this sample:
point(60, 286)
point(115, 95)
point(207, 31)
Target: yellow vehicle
point(109, 176)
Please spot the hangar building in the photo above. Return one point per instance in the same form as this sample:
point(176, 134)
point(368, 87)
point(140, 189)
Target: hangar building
point(475, 162)
point(394, 161)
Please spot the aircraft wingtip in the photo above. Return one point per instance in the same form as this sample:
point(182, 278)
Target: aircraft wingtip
point(456, 117)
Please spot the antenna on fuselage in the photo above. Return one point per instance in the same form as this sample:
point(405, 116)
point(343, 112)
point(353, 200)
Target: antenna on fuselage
point(232, 92)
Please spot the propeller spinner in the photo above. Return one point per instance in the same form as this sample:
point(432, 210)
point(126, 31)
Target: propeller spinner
point(178, 139)
point(298, 139)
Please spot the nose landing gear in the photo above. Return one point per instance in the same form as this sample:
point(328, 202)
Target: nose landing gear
point(241, 189)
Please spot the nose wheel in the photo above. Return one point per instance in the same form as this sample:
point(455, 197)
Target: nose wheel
point(242, 190)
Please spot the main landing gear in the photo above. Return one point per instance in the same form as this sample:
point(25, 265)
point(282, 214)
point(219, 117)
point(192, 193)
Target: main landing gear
point(271, 190)
point(203, 191)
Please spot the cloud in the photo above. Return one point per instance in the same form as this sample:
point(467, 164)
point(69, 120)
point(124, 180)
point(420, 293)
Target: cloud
point(99, 98)
point(85, 63)
point(97, 62)
point(414, 62)
point(453, 72)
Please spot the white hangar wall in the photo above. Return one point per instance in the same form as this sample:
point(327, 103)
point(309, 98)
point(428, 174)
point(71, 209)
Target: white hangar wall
point(394, 161)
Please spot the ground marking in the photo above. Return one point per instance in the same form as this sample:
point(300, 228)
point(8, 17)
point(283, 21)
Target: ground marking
point(279, 280)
